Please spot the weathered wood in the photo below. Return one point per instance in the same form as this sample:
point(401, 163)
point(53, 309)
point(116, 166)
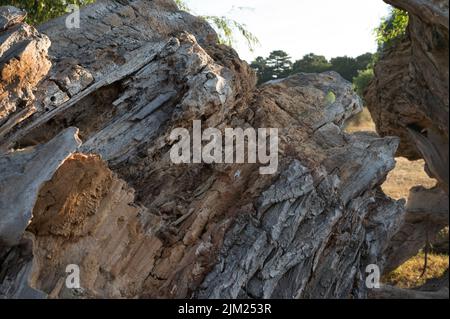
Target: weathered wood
point(23, 173)
point(9, 16)
point(436, 288)
point(21, 47)
point(409, 98)
point(390, 292)
point(409, 95)
point(140, 226)
point(142, 57)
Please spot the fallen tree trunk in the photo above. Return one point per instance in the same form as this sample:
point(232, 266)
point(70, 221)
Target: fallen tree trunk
point(436, 288)
point(390, 292)
point(409, 95)
point(409, 98)
point(139, 225)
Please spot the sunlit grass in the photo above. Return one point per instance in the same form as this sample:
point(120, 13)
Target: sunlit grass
point(408, 275)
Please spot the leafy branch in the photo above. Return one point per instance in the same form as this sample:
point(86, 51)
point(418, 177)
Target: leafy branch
point(40, 11)
point(226, 28)
point(392, 28)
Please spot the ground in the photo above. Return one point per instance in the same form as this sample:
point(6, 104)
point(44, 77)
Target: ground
point(406, 175)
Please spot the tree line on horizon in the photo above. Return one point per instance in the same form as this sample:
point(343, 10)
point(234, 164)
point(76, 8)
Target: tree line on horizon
point(359, 70)
point(280, 65)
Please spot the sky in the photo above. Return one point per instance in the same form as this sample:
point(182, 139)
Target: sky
point(325, 27)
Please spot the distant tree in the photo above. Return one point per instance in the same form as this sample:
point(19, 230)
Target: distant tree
point(40, 11)
point(311, 63)
point(364, 60)
point(280, 64)
point(345, 66)
point(263, 71)
point(362, 80)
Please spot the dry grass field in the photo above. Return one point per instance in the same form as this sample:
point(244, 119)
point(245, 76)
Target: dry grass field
point(406, 175)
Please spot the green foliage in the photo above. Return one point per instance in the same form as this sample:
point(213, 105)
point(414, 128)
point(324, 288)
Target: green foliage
point(346, 66)
point(362, 80)
point(330, 98)
point(278, 65)
point(226, 28)
point(312, 63)
point(279, 62)
point(358, 70)
point(263, 71)
point(40, 11)
point(364, 60)
point(182, 5)
point(392, 28)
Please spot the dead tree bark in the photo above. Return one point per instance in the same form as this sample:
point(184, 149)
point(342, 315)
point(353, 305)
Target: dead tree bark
point(436, 288)
point(409, 98)
point(139, 225)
